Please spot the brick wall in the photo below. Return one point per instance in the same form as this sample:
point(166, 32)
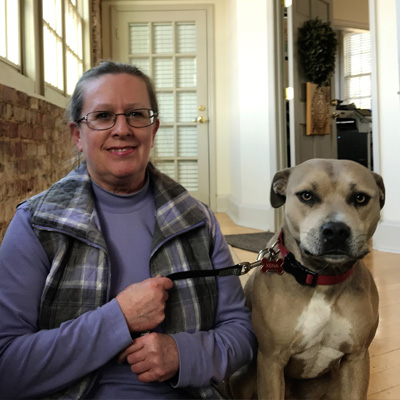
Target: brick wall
point(35, 145)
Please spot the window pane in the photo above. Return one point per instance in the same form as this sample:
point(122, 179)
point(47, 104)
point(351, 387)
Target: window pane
point(74, 71)
point(357, 69)
point(142, 63)
point(187, 72)
point(187, 106)
point(73, 29)
point(186, 38)
point(187, 141)
point(167, 167)
point(53, 59)
point(74, 44)
point(3, 36)
point(139, 38)
point(164, 145)
point(189, 175)
point(163, 38)
point(166, 104)
point(52, 14)
point(163, 75)
point(10, 46)
point(53, 45)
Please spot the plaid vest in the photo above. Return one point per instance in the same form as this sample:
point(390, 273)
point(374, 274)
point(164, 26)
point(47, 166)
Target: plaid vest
point(64, 219)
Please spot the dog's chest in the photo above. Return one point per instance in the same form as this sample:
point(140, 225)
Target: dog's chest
point(322, 334)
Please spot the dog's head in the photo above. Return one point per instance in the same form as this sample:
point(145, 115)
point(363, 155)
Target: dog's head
point(332, 207)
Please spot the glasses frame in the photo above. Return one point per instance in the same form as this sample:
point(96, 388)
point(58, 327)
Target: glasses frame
point(125, 114)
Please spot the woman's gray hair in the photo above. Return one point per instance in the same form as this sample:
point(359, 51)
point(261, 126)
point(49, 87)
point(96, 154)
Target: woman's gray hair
point(107, 67)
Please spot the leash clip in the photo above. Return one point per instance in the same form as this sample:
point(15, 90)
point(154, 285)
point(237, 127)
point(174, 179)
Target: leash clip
point(247, 267)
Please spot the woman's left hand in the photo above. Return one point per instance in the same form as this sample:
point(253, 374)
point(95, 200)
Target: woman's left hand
point(153, 357)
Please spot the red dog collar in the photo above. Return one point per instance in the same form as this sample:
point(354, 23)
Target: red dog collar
point(303, 275)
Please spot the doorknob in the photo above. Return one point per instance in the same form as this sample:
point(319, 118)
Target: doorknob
point(201, 120)
point(336, 102)
point(335, 115)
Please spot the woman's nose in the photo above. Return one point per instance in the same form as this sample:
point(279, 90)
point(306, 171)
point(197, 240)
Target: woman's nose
point(121, 126)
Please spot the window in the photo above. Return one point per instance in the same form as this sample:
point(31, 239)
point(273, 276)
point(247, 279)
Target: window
point(357, 69)
point(10, 45)
point(44, 46)
point(62, 38)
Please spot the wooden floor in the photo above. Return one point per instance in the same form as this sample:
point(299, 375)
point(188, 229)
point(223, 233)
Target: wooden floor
point(385, 348)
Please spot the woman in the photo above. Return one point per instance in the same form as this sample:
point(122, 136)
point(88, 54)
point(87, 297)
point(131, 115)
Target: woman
point(83, 268)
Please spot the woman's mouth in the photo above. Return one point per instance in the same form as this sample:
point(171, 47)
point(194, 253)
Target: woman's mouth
point(120, 151)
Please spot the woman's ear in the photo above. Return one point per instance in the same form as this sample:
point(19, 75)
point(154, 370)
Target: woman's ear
point(76, 135)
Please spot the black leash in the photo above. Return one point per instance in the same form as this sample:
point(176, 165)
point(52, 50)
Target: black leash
point(236, 270)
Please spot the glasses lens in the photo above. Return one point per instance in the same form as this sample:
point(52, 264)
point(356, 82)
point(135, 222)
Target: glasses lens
point(140, 118)
point(100, 120)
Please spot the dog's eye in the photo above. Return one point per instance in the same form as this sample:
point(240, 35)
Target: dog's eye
point(306, 197)
point(361, 199)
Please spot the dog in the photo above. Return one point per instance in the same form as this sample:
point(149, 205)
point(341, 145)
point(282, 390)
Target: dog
point(316, 314)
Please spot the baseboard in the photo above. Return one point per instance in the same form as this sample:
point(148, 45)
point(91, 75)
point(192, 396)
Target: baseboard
point(386, 237)
point(248, 215)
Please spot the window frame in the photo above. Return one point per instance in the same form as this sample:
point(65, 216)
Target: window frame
point(29, 78)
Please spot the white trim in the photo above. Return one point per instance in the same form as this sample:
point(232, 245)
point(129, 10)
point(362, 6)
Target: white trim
point(374, 82)
point(398, 35)
point(251, 215)
point(386, 237)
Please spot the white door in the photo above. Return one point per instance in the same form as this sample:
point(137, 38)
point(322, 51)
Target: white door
point(171, 47)
point(302, 146)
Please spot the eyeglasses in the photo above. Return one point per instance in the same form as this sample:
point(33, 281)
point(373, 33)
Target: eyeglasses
point(102, 120)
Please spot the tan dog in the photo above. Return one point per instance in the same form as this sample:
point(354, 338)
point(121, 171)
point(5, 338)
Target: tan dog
point(314, 337)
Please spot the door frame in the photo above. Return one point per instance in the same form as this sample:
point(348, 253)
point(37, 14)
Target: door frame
point(109, 7)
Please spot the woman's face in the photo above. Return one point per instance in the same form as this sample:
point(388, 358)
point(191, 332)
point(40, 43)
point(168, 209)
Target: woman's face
point(116, 157)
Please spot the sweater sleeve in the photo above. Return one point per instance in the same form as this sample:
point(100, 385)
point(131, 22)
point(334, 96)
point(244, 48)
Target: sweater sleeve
point(36, 362)
point(213, 355)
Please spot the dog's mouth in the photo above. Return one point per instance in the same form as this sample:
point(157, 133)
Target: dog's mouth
point(333, 255)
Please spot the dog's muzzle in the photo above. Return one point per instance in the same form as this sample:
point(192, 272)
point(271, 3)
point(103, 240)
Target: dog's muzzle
point(332, 241)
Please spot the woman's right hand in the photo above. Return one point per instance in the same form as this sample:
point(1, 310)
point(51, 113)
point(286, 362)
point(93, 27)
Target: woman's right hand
point(143, 303)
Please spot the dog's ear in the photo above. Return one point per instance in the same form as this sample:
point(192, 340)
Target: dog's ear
point(278, 187)
point(381, 186)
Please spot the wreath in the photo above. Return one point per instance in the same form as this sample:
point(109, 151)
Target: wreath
point(317, 44)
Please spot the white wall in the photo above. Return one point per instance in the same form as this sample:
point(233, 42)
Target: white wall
point(386, 113)
point(251, 113)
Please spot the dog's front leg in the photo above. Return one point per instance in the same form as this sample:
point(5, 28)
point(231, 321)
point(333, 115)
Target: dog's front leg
point(353, 377)
point(270, 378)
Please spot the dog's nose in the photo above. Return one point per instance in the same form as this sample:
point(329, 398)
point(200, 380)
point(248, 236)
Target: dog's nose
point(335, 233)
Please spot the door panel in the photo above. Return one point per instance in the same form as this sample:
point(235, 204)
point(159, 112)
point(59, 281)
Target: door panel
point(170, 46)
point(302, 146)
